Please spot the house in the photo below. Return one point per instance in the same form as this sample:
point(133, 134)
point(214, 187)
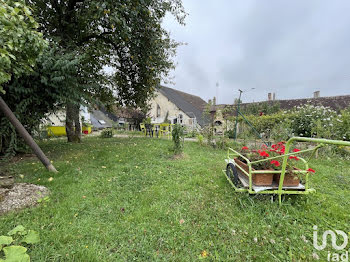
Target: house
point(128, 118)
point(56, 121)
point(177, 107)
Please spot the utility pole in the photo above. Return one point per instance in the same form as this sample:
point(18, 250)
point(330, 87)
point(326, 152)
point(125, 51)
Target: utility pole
point(237, 110)
point(26, 136)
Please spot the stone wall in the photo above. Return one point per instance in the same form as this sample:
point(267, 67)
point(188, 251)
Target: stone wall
point(164, 105)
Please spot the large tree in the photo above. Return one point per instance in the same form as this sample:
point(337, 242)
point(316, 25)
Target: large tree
point(126, 36)
point(32, 96)
point(20, 43)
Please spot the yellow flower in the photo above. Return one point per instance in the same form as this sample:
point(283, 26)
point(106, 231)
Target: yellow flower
point(204, 253)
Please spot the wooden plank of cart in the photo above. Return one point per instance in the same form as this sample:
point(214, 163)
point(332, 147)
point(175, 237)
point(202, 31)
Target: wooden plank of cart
point(241, 179)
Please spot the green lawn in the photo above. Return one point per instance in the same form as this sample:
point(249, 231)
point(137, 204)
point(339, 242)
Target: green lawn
point(127, 199)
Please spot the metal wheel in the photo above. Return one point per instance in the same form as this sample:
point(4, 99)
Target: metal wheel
point(232, 174)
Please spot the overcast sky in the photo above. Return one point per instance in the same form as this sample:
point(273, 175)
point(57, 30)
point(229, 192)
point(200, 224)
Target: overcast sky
point(292, 48)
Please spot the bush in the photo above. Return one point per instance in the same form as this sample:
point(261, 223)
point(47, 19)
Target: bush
point(200, 139)
point(342, 125)
point(222, 142)
point(282, 131)
point(178, 139)
point(309, 120)
point(230, 133)
point(191, 134)
point(207, 132)
point(265, 123)
point(107, 133)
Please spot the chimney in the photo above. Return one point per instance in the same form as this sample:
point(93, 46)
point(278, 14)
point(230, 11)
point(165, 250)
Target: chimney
point(274, 97)
point(316, 94)
point(269, 97)
point(214, 101)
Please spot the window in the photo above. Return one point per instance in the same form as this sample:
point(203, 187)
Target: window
point(158, 111)
point(180, 118)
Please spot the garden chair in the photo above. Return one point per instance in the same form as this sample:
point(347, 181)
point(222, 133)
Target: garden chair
point(149, 130)
point(143, 128)
point(156, 130)
point(165, 129)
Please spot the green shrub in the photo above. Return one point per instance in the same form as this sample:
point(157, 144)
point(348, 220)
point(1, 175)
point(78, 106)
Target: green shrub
point(200, 139)
point(308, 119)
point(282, 131)
point(265, 123)
point(107, 133)
point(342, 125)
point(191, 134)
point(207, 132)
point(222, 142)
point(230, 133)
point(178, 138)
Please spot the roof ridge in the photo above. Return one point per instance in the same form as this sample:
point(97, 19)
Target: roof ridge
point(292, 99)
point(182, 92)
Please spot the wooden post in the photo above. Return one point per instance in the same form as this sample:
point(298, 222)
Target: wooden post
point(26, 136)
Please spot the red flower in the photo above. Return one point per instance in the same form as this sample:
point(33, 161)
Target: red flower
point(296, 150)
point(263, 153)
point(274, 146)
point(294, 157)
point(311, 170)
point(275, 162)
point(245, 148)
point(263, 146)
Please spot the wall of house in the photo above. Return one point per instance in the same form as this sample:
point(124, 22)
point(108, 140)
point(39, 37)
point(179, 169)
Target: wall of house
point(165, 105)
point(59, 118)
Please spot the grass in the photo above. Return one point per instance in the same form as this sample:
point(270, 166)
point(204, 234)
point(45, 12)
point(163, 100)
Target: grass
point(127, 199)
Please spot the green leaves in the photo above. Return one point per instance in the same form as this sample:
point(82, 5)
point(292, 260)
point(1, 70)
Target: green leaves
point(178, 138)
point(32, 237)
point(20, 41)
point(126, 36)
point(16, 254)
point(5, 240)
point(17, 230)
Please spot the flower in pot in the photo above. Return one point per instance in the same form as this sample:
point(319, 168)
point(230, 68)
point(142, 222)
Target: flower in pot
point(254, 155)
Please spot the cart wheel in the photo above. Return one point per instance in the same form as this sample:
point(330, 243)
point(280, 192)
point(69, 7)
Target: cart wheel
point(232, 174)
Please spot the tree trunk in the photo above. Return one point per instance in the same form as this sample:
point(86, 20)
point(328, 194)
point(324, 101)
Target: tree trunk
point(26, 136)
point(73, 127)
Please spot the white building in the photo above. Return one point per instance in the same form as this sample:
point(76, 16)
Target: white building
point(178, 107)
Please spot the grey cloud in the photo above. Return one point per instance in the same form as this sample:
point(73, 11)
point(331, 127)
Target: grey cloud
point(289, 47)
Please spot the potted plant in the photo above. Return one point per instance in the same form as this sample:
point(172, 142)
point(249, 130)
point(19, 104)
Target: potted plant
point(261, 179)
point(290, 178)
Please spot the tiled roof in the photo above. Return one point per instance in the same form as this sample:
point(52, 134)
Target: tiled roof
point(334, 102)
point(189, 104)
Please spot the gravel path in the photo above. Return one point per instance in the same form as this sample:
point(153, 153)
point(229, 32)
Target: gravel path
point(20, 196)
